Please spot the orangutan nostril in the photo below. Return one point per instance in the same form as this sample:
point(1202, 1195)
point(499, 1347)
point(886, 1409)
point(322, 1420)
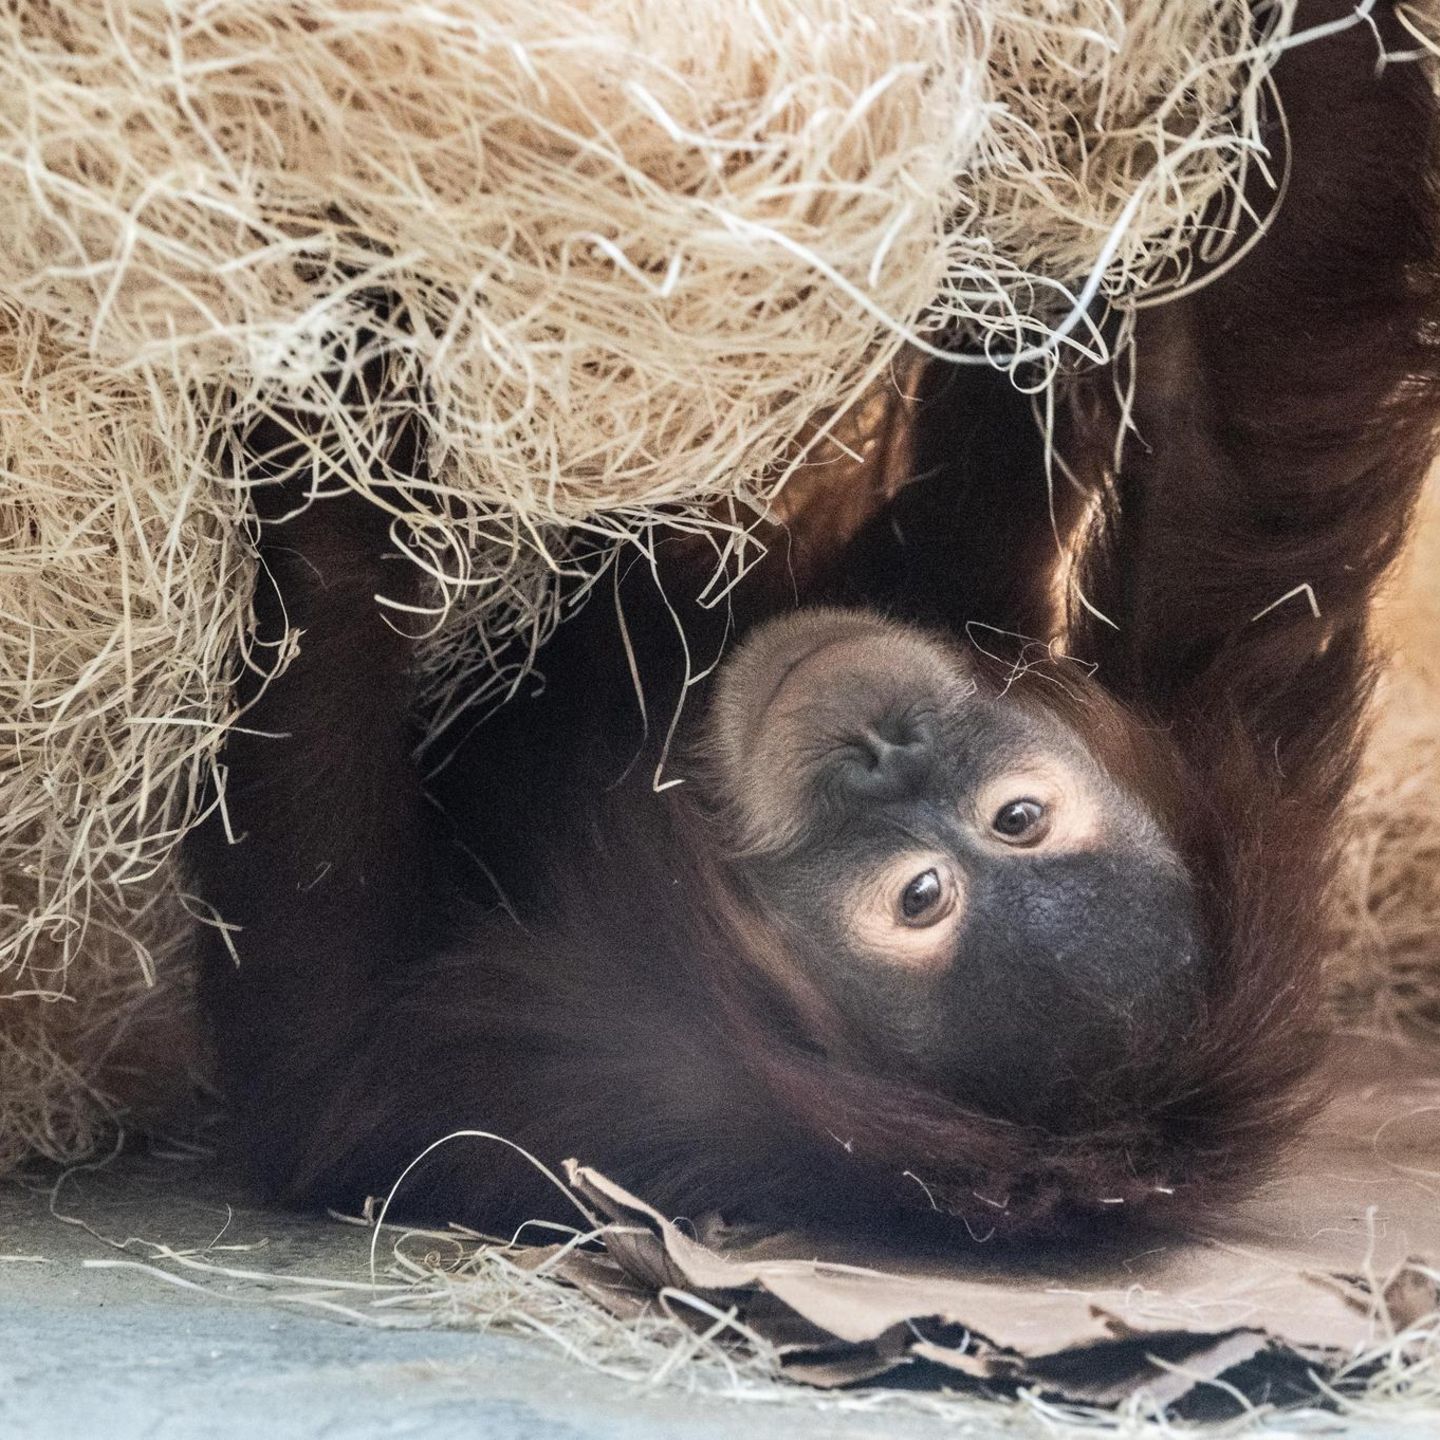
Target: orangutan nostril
point(880, 765)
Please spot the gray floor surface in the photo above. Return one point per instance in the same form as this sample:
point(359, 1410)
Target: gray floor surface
point(117, 1354)
point(106, 1352)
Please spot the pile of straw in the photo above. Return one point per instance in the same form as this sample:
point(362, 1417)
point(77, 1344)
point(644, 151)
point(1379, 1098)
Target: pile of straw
point(629, 259)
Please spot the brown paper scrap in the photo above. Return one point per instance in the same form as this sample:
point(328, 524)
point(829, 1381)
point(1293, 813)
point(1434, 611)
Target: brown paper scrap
point(1328, 1260)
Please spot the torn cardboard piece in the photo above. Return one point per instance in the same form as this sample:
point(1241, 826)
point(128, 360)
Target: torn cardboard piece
point(1333, 1258)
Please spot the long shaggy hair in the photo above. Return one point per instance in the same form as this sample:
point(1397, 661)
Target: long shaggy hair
point(1218, 615)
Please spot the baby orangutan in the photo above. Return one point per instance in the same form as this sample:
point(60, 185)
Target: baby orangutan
point(936, 932)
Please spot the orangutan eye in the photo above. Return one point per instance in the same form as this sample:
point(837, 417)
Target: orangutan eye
point(920, 902)
point(1021, 822)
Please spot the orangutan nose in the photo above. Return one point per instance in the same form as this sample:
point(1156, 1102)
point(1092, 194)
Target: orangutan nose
point(890, 761)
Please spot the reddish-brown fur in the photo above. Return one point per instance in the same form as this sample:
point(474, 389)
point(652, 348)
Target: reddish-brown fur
point(1284, 419)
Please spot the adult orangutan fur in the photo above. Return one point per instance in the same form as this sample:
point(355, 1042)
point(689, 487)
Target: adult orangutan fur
point(662, 998)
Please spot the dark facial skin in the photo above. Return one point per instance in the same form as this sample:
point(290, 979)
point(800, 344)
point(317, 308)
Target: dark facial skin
point(950, 865)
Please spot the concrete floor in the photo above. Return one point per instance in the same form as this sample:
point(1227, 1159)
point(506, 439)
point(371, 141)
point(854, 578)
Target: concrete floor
point(116, 1353)
point(89, 1348)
